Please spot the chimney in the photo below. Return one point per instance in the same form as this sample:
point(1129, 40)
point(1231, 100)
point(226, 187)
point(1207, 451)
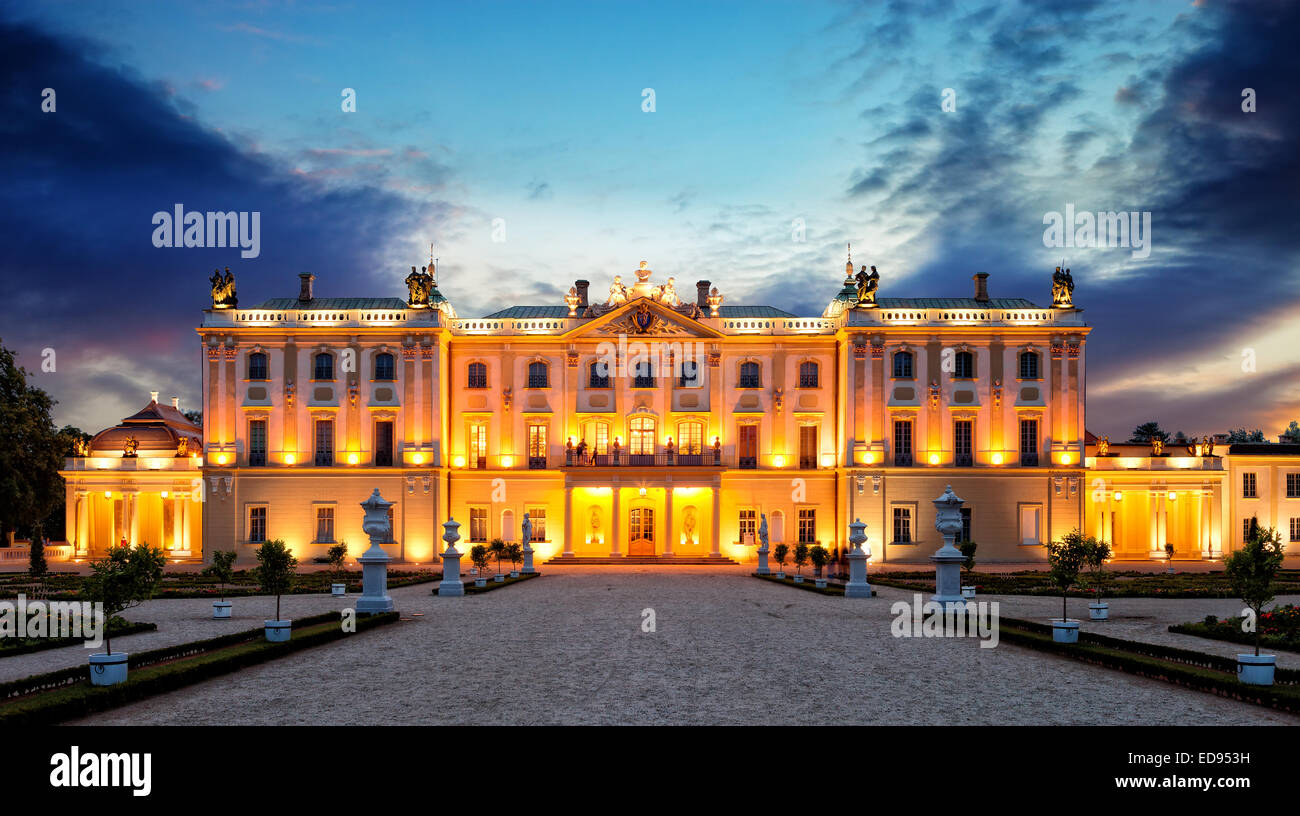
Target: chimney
point(702, 294)
point(581, 286)
point(153, 396)
point(176, 403)
point(304, 294)
point(981, 286)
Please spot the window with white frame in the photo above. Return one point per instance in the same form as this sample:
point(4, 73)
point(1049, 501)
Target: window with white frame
point(748, 525)
point(1031, 524)
point(325, 524)
point(902, 524)
point(537, 515)
point(1295, 528)
point(256, 523)
point(1293, 485)
point(478, 524)
point(1249, 486)
point(808, 525)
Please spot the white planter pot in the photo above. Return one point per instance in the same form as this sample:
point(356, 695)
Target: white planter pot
point(514, 573)
point(1065, 631)
point(1169, 570)
point(498, 578)
point(798, 579)
point(968, 592)
point(221, 610)
point(338, 590)
point(1256, 670)
point(821, 583)
point(480, 582)
point(110, 669)
point(781, 575)
point(1098, 611)
point(278, 631)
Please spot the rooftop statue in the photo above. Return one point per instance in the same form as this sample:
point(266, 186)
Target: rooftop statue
point(867, 286)
point(1062, 289)
point(419, 285)
point(223, 289)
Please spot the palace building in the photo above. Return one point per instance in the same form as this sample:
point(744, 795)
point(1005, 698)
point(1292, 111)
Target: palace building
point(638, 422)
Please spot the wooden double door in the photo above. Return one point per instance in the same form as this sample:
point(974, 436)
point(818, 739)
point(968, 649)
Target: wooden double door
point(641, 531)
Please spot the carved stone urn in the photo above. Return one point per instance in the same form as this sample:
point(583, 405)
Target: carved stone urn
point(948, 559)
point(451, 585)
point(857, 587)
point(374, 561)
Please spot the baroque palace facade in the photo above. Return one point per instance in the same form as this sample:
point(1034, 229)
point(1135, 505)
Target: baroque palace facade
point(644, 424)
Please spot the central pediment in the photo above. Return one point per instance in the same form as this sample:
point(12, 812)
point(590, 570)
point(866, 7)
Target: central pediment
point(643, 317)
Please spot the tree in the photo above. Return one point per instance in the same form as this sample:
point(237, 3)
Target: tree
point(55, 524)
point(127, 577)
point(1147, 431)
point(1065, 558)
point(800, 556)
point(336, 555)
point(1292, 433)
point(968, 552)
point(276, 565)
point(478, 555)
point(194, 416)
point(1243, 435)
point(514, 552)
point(497, 548)
point(36, 566)
point(819, 555)
point(1098, 553)
point(30, 457)
point(1252, 569)
point(222, 569)
point(779, 553)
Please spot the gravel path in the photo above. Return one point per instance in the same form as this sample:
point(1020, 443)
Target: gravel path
point(569, 649)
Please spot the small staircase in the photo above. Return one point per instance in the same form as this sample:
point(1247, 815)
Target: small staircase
point(653, 560)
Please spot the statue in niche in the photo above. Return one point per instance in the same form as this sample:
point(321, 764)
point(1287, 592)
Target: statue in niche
point(688, 527)
point(593, 527)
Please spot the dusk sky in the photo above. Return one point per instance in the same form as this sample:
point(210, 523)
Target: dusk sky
point(765, 115)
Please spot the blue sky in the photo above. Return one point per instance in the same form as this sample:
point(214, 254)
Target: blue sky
point(764, 113)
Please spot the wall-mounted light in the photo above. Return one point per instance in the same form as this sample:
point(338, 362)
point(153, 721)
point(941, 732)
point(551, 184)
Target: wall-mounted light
point(459, 461)
point(507, 461)
point(869, 458)
point(778, 461)
point(934, 458)
point(997, 458)
point(642, 492)
point(1173, 495)
point(289, 459)
point(1066, 458)
point(222, 458)
point(108, 494)
point(418, 458)
point(163, 494)
point(353, 458)
point(1119, 495)
point(828, 460)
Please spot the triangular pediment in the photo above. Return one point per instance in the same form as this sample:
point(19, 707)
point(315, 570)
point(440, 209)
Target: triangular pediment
point(644, 317)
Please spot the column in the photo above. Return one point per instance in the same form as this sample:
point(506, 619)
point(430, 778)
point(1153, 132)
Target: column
point(185, 549)
point(1153, 527)
point(133, 502)
point(1204, 536)
point(715, 551)
point(83, 523)
point(668, 519)
point(1162, 525)
point(614, 526)
point(178, 535)
point(568, 522)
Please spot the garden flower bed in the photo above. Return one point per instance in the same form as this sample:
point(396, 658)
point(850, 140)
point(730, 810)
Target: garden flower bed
point(1121, 585)
point(1278, 629)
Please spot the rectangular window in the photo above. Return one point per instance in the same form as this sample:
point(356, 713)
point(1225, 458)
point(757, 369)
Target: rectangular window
point(1248, 486)
point(1293, 485)
point(384, 443)
point(1245, 530)
point(902, 525)
point(690, 374)
point(903, 365)
point(748, 526)
point(478, 446)
point(807, 525)
point(1029, 442)
point(324, 524)
point(902, 442)
point(537, 515)
point(644, 375)
point(256, 442)
point(1031, 516)
point(256, 525)
point(690, 438)
point(478, 524)
point(1295, 529)
point(537, 446)
point(747, 447)
point(964, 535)
point(808, 446)
point(324, 442)
point(961, 442)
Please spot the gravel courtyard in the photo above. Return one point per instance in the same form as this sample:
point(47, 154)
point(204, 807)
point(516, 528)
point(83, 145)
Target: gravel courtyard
point(728, 649)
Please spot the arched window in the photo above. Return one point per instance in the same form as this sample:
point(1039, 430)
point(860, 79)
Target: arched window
point(964, 365)
point(257, 366)
point(644, 376)
point(537, 375)
point(477, 376)
point(641, 441)
point(1028, 365)
point(808, 374)
point(903, 365)
point(599, 375)
point(750, 375)
point(385, 367)
point(323, 366)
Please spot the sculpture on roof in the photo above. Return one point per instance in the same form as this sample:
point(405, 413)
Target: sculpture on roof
point(1062, 289)
point(617, 292)
point(223, 289)
point(667, 294)
point(183, 447)
point(419, 284)
point(129, 447)
point(867, 286)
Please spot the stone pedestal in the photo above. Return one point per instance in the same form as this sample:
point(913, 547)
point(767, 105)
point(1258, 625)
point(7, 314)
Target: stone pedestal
point(857, 587)
point(451, 585)
point(374, 561)
point(529, 569)
point(763, 569)
point(948, 559)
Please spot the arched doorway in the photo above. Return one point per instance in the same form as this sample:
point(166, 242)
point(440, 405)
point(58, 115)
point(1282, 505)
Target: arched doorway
point(641, 531)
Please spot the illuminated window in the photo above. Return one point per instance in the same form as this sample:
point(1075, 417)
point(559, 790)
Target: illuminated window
point(257, 524)
point(807, 525)
point(257, 366)
point(478, 445)
point(748, 526)
point(385, 367)
point(596, 435)
point(477, 377)
point(903, 365)
point(323, 366)
point(750, 375)
point(809, 374)
point(690, 437)
point(537, 515)
point(641, 441)
point(478, 524)
point(537, 445)
point(324, 524)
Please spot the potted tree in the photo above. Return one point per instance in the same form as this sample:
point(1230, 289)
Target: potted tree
point(1251, 571)
point(276, 565)
point(968, 552)
point(497, 548)
point(478, 555)
point(127, 577)
point(1095, 561)
point(221, 569)
point(1169, 557)
point(1065, 558)
point(779, 554)
point(514, 552)
point(800, 558)
point(337, 555)
point(819, 556)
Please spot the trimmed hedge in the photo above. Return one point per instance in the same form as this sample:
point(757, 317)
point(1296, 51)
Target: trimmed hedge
point(1278, 630)
point(68, 693)
point(470, 589)
point(1123, 584)
point(67, 587)
point(121, 629)
point(1141, 659)
point(830, 589)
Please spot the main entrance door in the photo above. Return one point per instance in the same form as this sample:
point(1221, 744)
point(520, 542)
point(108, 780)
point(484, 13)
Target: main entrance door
point(641, 532)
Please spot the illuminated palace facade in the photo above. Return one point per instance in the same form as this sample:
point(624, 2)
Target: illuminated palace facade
point(635, 422)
